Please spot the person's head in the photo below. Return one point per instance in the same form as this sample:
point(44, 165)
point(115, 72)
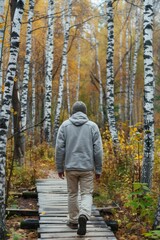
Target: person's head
point(79, 106)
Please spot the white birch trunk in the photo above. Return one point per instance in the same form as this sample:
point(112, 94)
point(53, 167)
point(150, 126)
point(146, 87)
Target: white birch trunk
point(135, 58)
point(67, 76)
point(33, 96)
point(24, 94)
point(49, 71)
point(63, 68)
point(1, 40)
point(110, 74)
point(68, 92)
point(100, 86)
point(6, 106)
point(120, 63)
point(148, 160)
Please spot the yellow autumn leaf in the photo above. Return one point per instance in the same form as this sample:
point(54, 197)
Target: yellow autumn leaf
point(43, 213)
point(3, 87)
point(12, 110)
point(1, 25)
point(15, 79)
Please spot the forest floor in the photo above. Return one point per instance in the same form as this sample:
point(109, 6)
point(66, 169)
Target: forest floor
point(16, 233)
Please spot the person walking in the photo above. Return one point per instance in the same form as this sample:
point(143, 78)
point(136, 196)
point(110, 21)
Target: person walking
point(79, 153)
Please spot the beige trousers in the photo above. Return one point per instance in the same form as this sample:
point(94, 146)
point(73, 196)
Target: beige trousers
point(82, 182)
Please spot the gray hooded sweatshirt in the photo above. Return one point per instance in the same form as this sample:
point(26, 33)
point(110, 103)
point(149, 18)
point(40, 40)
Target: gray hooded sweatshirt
point(79, 145)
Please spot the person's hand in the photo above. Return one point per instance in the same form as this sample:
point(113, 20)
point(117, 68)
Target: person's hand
point(61, 175)
point(98, 177)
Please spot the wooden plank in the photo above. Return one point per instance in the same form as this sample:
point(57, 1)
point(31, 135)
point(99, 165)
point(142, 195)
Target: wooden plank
point(44, 221)
point(80, 238)
point(53, 213)
point(59, 218)
point(59, 227)
point(67, 229)
point(74, 234)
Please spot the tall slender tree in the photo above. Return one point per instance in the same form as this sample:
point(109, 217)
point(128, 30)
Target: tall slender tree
point(18, 144)
point(100, 85)
point(78, 69)
point(1, 40)
point(6, 106)
point(33, 96)
point(67, 75)
point(24, 94)
point(110, 74)
point(121, 62)
point(68, 91)
point(135, 59)
point(149, 83)
point(49, 71)
point(62, 72)
point(127, 75)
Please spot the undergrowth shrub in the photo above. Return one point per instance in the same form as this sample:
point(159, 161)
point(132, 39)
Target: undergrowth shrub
point(38, 160)
point(120, 182)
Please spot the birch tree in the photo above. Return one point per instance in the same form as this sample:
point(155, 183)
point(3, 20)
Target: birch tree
point(127, 74)
point(18, 144)
point(121, 75)
point(100, 86)
point(68, 92)
point(1, 40)
point(24, 94)
point(148, 159)
point(6, 106)
point(62, 72)
point(110, 73)
point(33, 95)
point(67, 75)
point(135, 59)
point(49, 70)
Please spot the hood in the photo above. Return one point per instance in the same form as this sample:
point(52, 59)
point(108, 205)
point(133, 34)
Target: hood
point(79, 118)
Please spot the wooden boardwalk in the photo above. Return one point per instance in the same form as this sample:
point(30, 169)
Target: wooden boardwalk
point(53, 215)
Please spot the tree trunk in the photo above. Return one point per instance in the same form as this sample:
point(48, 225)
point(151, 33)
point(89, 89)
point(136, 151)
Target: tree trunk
point(100, 88)
point(135, 58)
point(49, 70)
point(78, 69)
point(24, 94)
point(110, 74)
point(1, 40)
point(67, 75)
point(149, 83)
point(6, 105)
point(68, 92)
point(127, 76)
point(63, 68)
point(121, 117)
point(18, 144)
point(33, 97)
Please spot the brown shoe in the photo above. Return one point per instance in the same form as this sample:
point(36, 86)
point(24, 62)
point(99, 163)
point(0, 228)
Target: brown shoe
point(82, 220)
point(72, 225)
